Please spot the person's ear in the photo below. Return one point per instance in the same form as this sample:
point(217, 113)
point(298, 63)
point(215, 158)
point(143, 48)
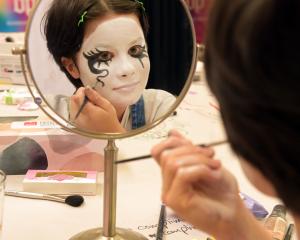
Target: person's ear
point(71, 67)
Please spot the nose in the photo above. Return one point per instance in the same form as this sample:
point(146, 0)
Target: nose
point(125, 67)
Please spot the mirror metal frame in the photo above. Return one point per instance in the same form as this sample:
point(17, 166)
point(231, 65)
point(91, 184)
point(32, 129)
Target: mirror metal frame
point(66, 124)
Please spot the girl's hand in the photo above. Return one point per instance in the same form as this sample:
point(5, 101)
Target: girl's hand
point(98, 114)
point(200, 190)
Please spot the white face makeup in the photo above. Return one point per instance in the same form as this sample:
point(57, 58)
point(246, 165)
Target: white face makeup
point(114, 57)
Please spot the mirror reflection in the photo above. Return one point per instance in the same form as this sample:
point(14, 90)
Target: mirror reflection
point(108, 66)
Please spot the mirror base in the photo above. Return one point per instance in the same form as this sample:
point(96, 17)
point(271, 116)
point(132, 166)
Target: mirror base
point(97, 234)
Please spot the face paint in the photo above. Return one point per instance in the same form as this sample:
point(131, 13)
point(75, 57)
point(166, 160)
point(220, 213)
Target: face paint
point(114, 56)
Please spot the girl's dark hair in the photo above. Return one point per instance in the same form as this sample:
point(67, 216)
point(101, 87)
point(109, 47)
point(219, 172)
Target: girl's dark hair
point(253, 68)
point(64, 36)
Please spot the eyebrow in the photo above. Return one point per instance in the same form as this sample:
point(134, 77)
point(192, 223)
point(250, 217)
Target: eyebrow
point(100, 45)
point(136, 40)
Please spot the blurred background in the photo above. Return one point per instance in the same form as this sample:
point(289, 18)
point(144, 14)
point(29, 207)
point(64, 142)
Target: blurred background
point(14, 15)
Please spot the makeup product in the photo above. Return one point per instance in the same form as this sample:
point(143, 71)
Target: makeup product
point(61, 182)
point(28, 106)
point(161, 223)
point(12, 119)
point(149, 156)
point(85, 101)
point(15, 97)
point(276, 223)
point(22, 155)
point(72, 200)
point(255, 207)
point(35, 124)
point(289, 232)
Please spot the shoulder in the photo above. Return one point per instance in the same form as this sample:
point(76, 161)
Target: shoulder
point(157, 95)
point(157, 103)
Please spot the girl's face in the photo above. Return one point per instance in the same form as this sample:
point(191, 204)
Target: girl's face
point(114, 59)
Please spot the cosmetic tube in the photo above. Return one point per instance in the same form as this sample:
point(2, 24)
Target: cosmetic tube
point(276, 223)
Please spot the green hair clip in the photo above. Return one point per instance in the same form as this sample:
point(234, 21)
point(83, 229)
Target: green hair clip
point(82, 18)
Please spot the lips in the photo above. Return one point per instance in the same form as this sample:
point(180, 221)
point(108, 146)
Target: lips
point(126, 86)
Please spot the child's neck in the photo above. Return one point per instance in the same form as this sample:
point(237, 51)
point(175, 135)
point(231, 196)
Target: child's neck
point(120, 112)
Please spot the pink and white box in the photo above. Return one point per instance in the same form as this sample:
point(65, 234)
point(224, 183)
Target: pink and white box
point(61, 182)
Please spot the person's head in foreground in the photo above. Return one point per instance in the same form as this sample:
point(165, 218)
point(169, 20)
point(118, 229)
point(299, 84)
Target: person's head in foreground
point(101, 44)
point(252, 64)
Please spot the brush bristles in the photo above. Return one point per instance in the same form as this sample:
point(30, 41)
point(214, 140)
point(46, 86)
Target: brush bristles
point(74, 200)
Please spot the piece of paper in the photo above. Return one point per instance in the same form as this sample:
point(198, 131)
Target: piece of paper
point(174, 229)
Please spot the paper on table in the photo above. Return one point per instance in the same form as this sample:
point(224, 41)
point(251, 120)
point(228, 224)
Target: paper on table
point(174, 229)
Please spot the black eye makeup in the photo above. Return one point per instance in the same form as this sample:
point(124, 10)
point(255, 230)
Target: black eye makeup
point(139, 52)
point(96, 58)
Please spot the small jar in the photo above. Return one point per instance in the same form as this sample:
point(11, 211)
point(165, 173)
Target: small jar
point(276, 223)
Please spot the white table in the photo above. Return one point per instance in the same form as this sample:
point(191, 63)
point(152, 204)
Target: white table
point(139, 184)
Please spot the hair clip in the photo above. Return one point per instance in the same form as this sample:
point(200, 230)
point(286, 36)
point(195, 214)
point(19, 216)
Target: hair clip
point(141, 4)
point(82, 18)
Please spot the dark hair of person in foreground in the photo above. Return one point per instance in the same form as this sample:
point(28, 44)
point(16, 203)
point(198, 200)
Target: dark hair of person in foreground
point(253, 68)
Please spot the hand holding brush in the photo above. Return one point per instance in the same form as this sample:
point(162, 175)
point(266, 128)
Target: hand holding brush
point(97, 114)
point(85, 101)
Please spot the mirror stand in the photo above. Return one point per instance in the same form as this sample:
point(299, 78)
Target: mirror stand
point(109, 230)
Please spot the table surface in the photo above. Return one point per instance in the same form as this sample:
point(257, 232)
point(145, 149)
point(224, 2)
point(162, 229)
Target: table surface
point(139, 184)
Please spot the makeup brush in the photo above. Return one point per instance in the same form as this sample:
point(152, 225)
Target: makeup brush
point(72, 200)
point(85, 101)
point(161, 223)
point(149, 156)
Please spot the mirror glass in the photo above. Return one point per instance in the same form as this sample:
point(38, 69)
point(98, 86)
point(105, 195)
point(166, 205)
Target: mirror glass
point(110, 75)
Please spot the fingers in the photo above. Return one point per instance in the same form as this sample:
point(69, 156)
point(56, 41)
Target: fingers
point(186, 178)
point(177, 154)
point(183, 151)
point(176, 141)
point(187, 156)
point(194, 204)
point(95, 103)
point(206, 150)
point(169, 143)
point(97, 99)
point(75, 102)
point(190, 161)
point(78, 97)
point(175, 133)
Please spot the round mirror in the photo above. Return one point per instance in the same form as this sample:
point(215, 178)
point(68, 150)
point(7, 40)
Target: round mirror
point(110, 70)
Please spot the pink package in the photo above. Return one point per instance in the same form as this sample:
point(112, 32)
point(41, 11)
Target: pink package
point(60, 182)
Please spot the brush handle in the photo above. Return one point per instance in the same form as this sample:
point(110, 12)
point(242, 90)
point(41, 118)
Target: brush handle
point(161, 223)
point(35, 196)
point(149, 156)
point(85, 101)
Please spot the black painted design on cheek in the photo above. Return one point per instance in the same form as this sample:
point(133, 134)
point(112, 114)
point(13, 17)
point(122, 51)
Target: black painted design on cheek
point(105, 74)
point(142, 62)
point(92, 60)
point(143, 55)
point(95, 59)
point(140, 54)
